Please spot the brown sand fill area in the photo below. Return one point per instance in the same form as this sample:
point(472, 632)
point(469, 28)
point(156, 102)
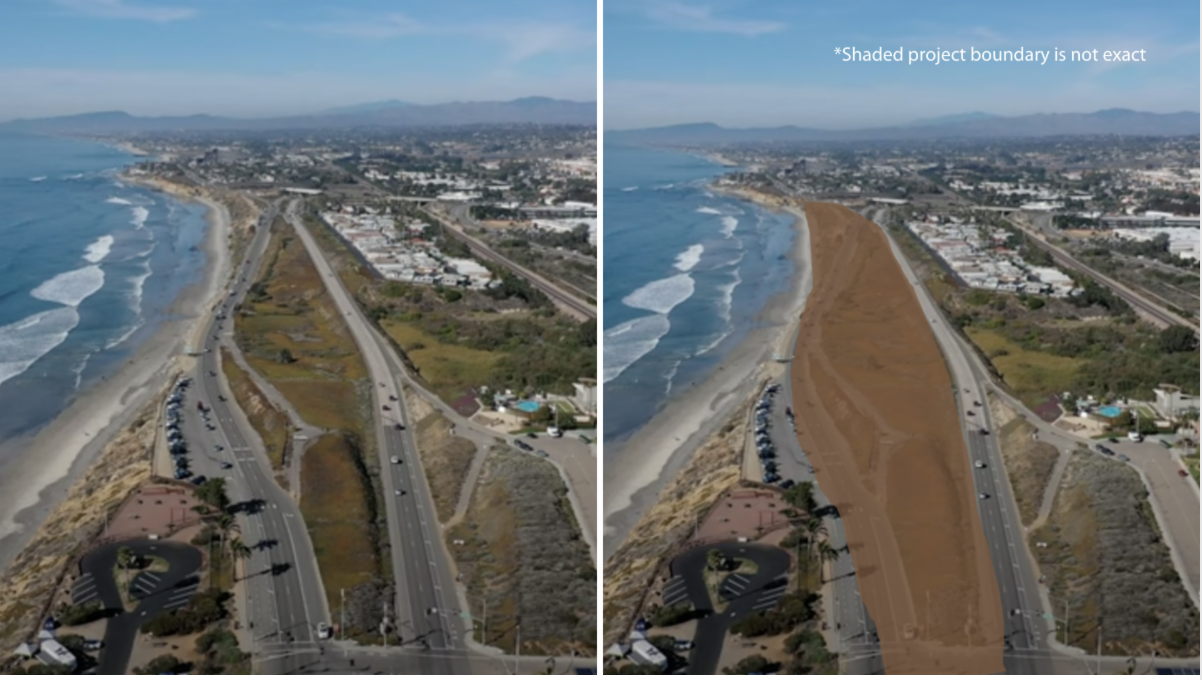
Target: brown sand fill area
point(876, 415)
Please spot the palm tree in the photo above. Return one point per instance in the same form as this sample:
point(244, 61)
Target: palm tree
point(238, 550)
point(714, 560)
point(826, 553)
point(126, 558)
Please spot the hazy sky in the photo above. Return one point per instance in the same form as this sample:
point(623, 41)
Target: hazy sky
point(772, 62)
point(273, 57)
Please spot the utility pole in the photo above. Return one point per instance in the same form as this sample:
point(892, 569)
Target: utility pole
point(517, 650)
point(1066, 620)
point(1099, 648)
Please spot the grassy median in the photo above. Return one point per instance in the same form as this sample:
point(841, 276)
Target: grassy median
point(291, 333)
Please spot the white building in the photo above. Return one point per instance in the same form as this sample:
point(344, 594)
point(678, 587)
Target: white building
point(643, 652)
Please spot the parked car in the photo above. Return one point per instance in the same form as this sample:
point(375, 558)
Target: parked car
point(225, 465)
point(323, 631)
point(395, 460)
point(1183, 473)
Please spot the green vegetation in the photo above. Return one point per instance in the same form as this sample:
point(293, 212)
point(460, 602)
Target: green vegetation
point(291, 333)
point(792, 610)
point(1191, 462)
point(221, 653)
point(202, 610)
point(271, 423)
point(508, 337)
point(79, 614)
point(165, 664)
point(448, 368)
point(1031, 374)
point(662, 617)
point(753, 665)
point(810, 655)
point(339, 508)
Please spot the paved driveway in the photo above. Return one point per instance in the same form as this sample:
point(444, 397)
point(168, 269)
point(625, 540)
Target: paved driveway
point(155, 592)
point(744, 594)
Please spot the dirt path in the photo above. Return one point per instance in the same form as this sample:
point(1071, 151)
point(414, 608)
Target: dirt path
point(300, 427)
point(874, 408)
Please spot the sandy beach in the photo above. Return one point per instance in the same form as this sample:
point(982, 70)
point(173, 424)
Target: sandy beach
point(637, 471)
point(40, 468)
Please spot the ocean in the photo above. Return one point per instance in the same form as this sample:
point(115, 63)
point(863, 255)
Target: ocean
point(91, 267)
point(687, 273)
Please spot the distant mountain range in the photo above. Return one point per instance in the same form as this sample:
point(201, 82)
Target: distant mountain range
point(370, 107)
point(976, 124)
point(378, 114)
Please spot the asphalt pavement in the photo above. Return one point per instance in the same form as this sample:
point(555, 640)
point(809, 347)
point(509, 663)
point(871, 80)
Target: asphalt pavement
point(158, 592)
point(855, 632)
point(426, 606)
point(285, 596)
point(744, 594)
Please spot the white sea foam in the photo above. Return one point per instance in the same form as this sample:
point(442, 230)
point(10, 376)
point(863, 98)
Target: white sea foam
point(728, 294)
point(709, 211)
point(118, 201)
point(662, 295)
point(630, 188)
point(123, 337)
point(76, 176)
point(729, 224)
point(99, 249)
point(38, 179)
point(670, 374)
point(140, 215)
point(71, 288)
point(24, 342)
point(628, 342)
point(139, 280)
point(690, 257)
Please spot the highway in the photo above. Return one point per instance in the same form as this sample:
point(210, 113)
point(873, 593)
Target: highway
point(285, 596)
point(1025, 630)
point(457, 215)
point(426, 601)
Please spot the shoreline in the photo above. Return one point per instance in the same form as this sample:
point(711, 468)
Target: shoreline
point(44, 465)
point(652, 455)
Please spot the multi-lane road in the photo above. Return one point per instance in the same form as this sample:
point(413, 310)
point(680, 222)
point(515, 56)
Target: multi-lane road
point(1024, 628)
point(427, 604)
point(285, 597)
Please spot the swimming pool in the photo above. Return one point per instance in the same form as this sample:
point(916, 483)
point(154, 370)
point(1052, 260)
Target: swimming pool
point(528, 406)
point(1110, 411)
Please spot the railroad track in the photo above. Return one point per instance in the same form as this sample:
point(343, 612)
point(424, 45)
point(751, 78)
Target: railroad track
point(554, 292)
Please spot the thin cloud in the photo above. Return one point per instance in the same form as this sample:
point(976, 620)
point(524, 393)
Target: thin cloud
point(521, 41)
point(526, 41)
point(391, 26)
point(119, 9)
point(702, 20)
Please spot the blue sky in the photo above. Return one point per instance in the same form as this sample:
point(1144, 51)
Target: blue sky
point(772, 62)
point(278, 57)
